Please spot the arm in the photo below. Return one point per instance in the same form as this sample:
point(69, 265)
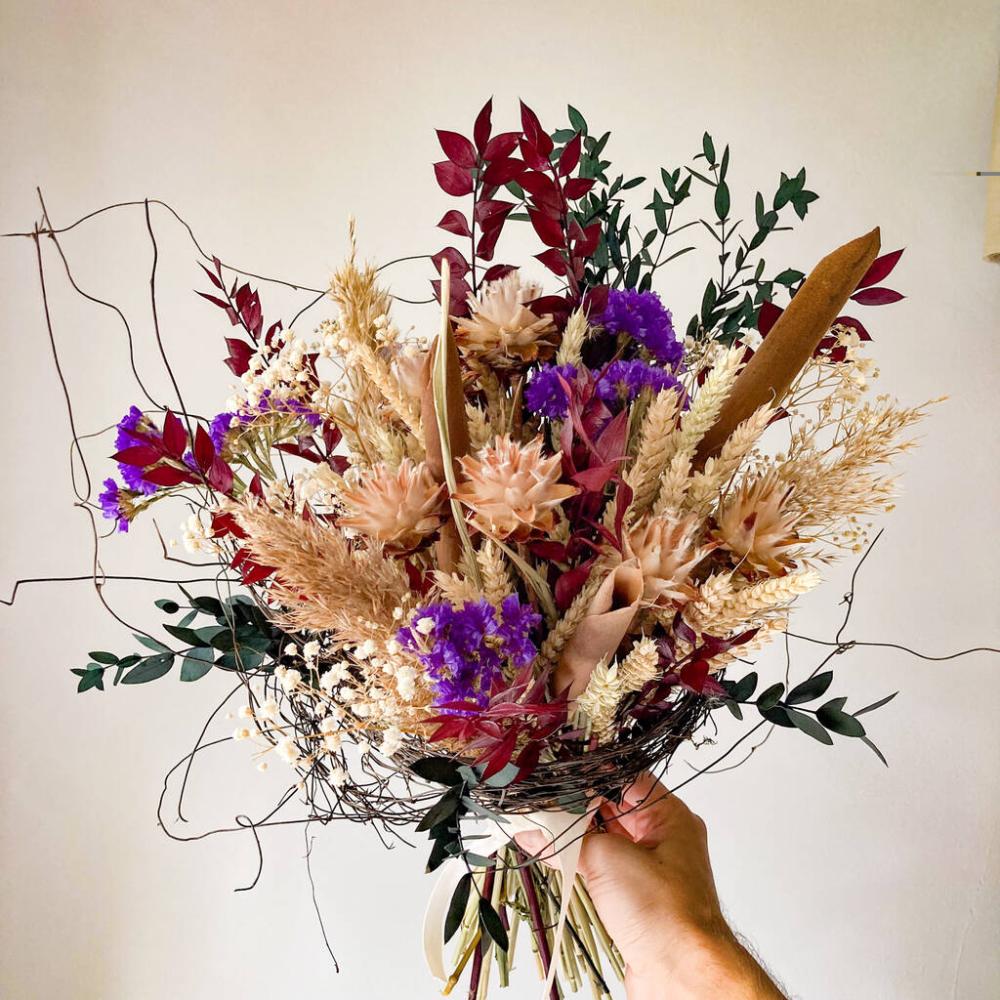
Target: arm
point(651, 880)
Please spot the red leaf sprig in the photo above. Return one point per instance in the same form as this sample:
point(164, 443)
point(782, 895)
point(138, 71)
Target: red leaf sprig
point(477, 167)
point(864, 295)
point(241, 304)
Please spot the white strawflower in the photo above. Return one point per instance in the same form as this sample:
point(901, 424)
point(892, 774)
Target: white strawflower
point(288, 678)
point(288, 750)
point(311, 650)
point(332, 742)
point(338, 777)
point(392, 740)
point(268, 710)
point(241, 733)
point(406, 682)
point(245, 712)
point(291, 649)
point(329, 725)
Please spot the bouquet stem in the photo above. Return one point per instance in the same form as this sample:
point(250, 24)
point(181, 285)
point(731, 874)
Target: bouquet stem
point(526, 892)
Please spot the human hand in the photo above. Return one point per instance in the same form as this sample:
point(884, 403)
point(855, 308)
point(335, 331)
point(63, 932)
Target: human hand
point(651, 881)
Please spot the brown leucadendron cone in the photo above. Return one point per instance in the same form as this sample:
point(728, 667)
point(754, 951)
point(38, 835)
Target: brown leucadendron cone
point(448, 546)
point(793, 338)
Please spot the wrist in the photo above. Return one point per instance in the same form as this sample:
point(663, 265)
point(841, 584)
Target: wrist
point(700, 963)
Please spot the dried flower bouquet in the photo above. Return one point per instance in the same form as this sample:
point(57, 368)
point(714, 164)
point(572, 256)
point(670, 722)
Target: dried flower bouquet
point(523, 559)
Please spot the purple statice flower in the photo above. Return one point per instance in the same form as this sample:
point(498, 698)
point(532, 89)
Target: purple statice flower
point(465, 650)
point(644, 318)
point(219, 428)
point(545, 394)
point(116, 504)
point(135, 428)
point(517, 621)
point(269, 405)
point(622, 381)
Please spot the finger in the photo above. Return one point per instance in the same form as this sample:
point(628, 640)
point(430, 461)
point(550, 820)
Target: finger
point(536, 845)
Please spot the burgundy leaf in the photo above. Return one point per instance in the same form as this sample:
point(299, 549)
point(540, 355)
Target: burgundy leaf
point(220, 476)
point(214, 300)
point(577, 187)
point(487, 244)
point(457, 148)
point(554, 261)
point(876, 297)
point(254, 573)
point(498, 271)
point(767, 317)
point(881, 269)
point(214, 278)
point(853, 324)
point(532, 157)
point(544, 192)
point(167, 475)
point(596, 299)
point(570, 156)
point(503, 171)
point(174, 436)
point(240, 353)
point(455, 222)
point(501, 146)
point(453, 179)
point(548, 229)
point(491, 213)
point(483, 125)
point(225, 523)
point(591, 237)
point(139, 455)
point(457, 263)
point(534, 132)
point(695, 675)
point(570, 584)
point(204, 449)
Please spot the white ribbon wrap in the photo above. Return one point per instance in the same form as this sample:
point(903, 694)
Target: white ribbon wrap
point(564, 835)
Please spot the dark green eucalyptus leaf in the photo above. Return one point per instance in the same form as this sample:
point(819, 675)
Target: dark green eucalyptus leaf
point(167, 605)
point(102, 657)
point(708, 148)
point(150, 643)
point(491, 923)
point(208, 605)
point(777, 714)
point(196, 664)
point(503, 777)
point(744, 688)
point(812, 687)
point(577, 120)
point(809, 726)
point(441, 770)
point(456, 908)
point(734, 708)
point(722, 201)
point(878, 753)
point(860, 711)
point(188, 618)
point(769, 697)
point(149, 669)
point(442, 810)
point(839, 722)
point(186, 635)
point(91, 679)
point(438, 856)
point(634, 182)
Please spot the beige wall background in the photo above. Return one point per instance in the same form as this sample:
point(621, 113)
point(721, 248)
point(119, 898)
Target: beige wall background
point(265, 125)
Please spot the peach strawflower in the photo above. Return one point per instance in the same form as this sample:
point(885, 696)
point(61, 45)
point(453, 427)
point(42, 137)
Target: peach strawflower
point(667, 550)
point(501, 329)
point(398, 508)
point(512, 489)
point(756, 525)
